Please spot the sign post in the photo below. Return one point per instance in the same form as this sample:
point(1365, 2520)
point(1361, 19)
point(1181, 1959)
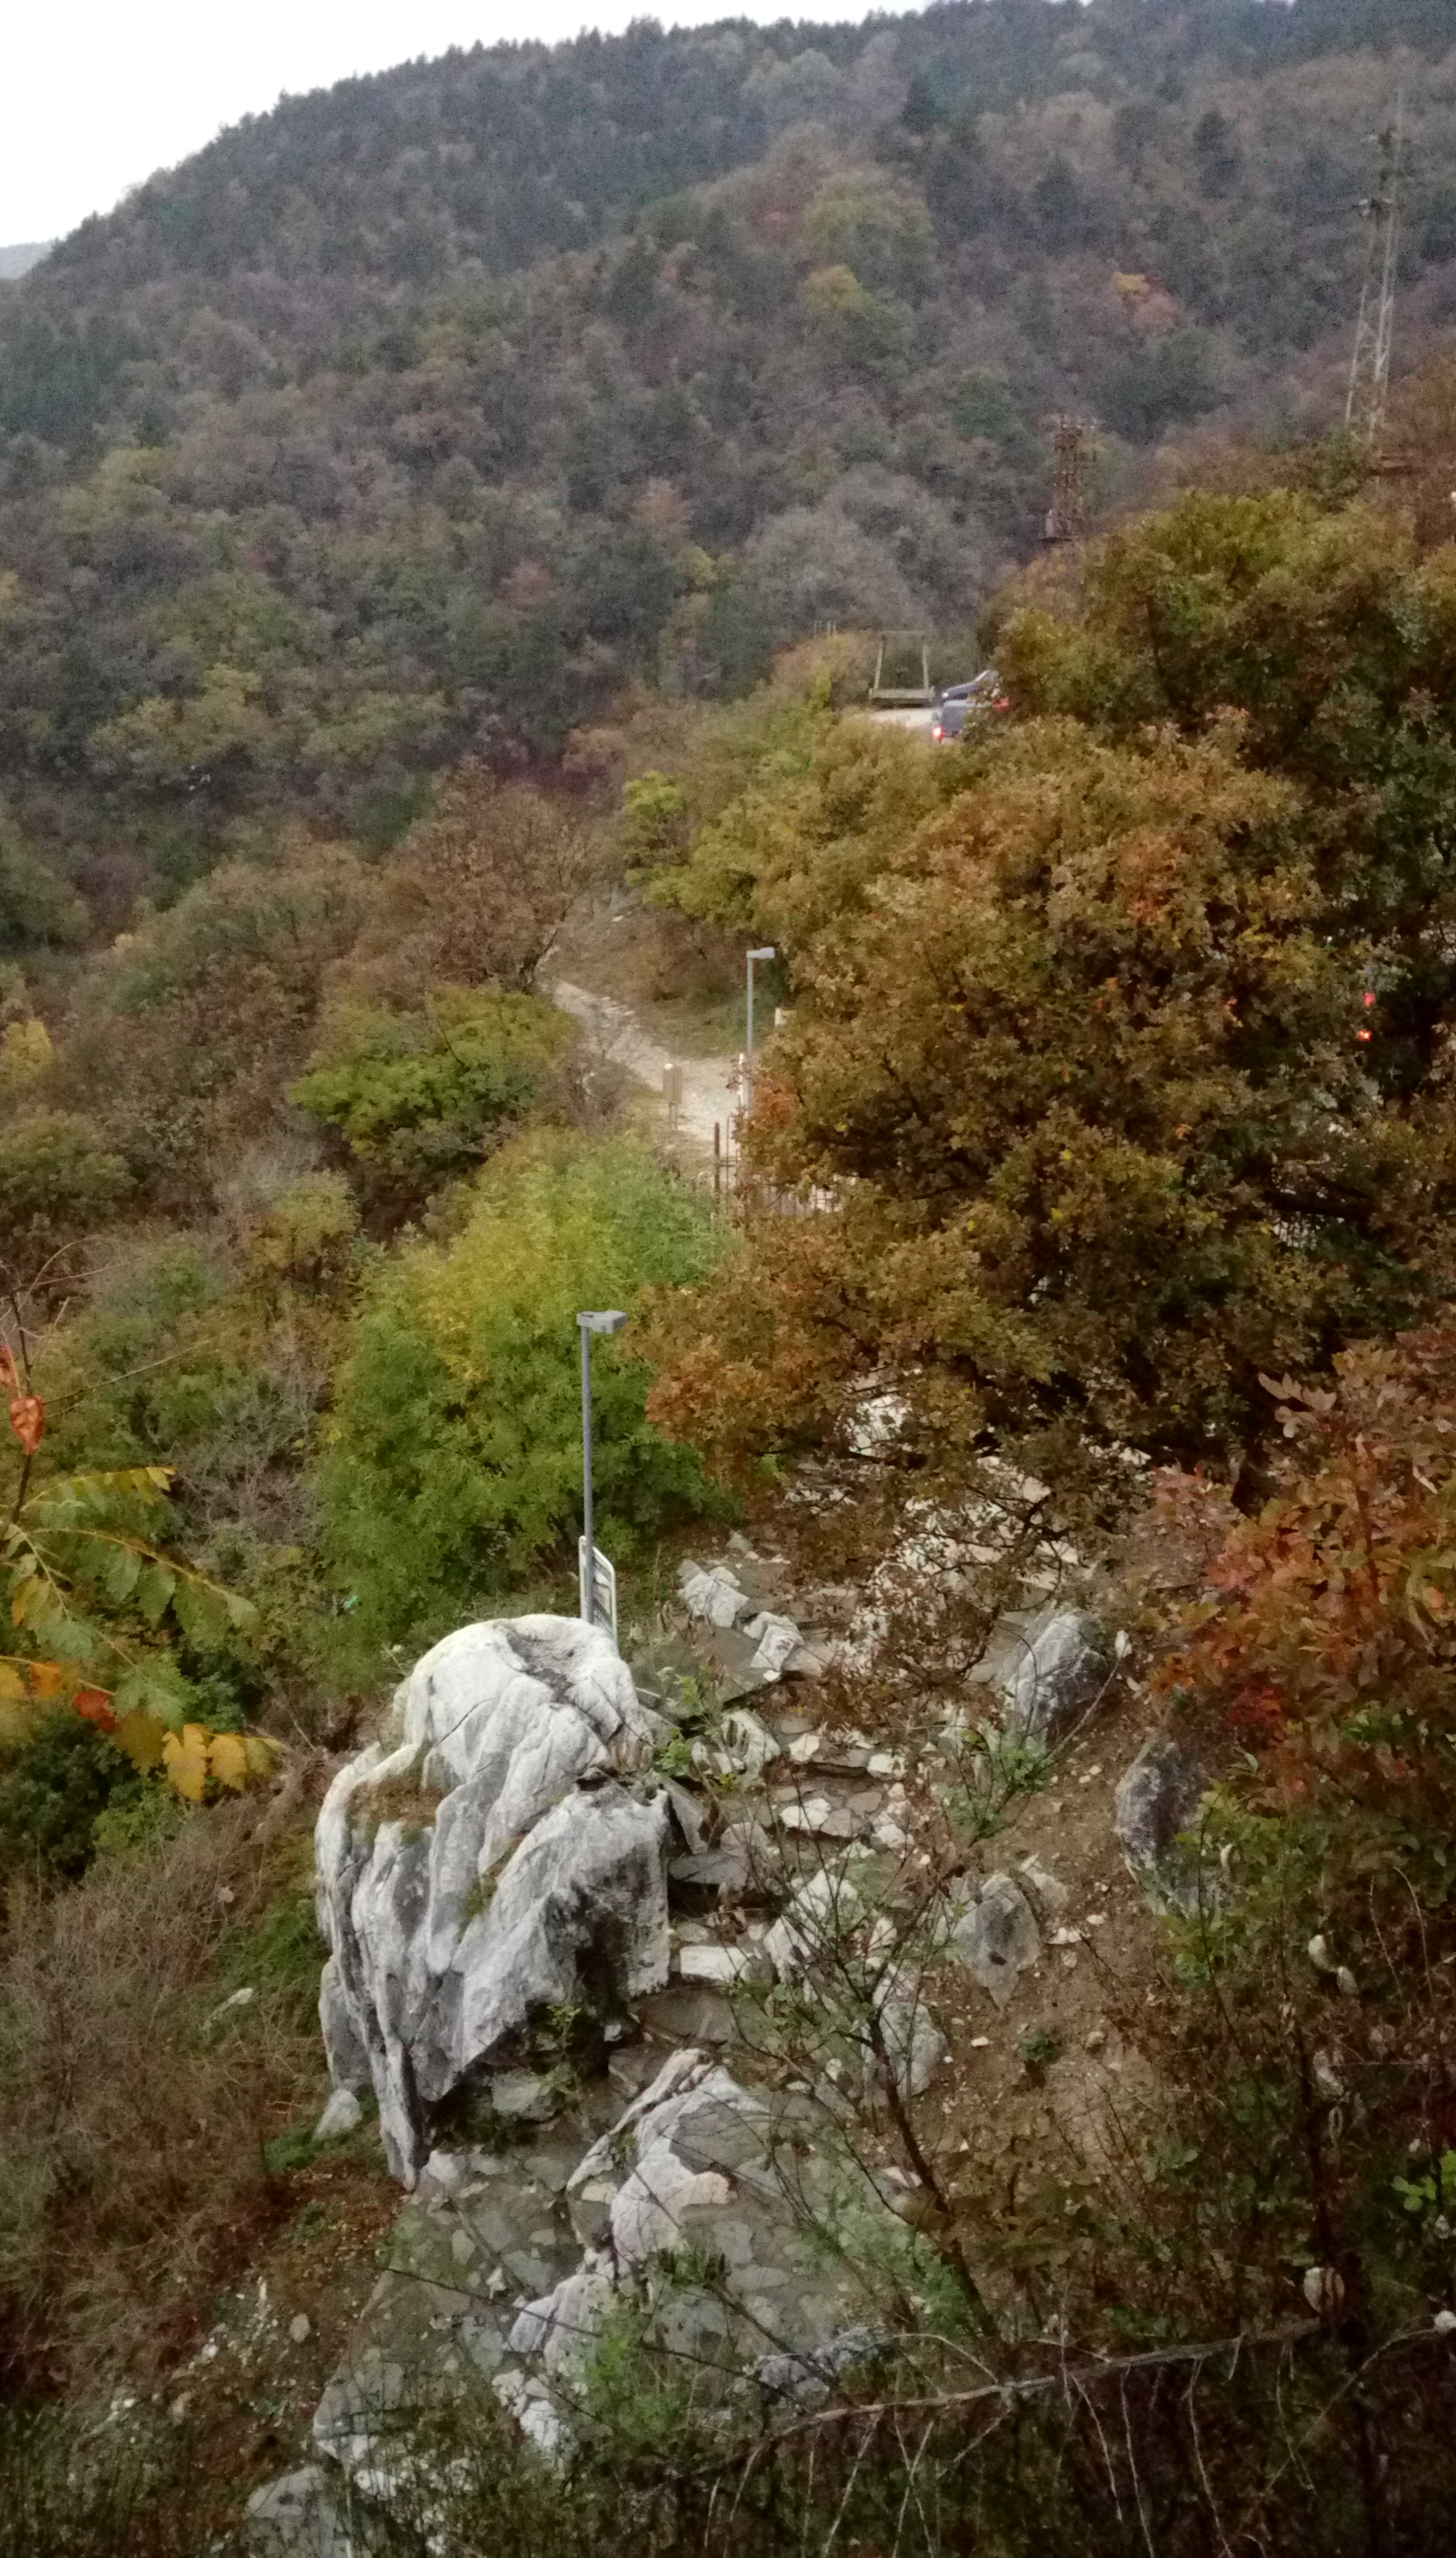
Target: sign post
point(766, 952)
point(598, 1584)
point(611, 1320)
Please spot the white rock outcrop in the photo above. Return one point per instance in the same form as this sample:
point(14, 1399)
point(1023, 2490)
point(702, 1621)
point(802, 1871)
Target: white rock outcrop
point(487, 1860)
point(712, 1596)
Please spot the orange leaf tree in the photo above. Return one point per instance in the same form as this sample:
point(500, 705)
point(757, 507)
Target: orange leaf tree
point(1326, 1636)
point(1078, 1067)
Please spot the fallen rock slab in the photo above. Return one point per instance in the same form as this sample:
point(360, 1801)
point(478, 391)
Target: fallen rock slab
point(299, 2516)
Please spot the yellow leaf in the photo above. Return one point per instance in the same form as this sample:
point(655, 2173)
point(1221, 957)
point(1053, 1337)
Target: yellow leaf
point(185, 1762)
point(260, 1755)
point(229, 1761)
point(14, 1685)
point(141, 1736)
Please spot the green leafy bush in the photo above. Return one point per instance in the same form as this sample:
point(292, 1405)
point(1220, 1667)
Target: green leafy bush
point(54, 1789)
point(456, 1455)
point(57, 1178)
point(420, 1098)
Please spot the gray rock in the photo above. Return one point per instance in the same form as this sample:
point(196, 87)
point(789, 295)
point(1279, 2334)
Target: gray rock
point(478, 2233)
point(341, 2115)
point(780, 1646)
point(805, 2379)
point(697, 2163)
point(999, 1937)
point(724, 1870)
point(1058, 1677)
point(827, 1924)
point(480, 1862)
point(720, 1964)
point(525, 2095)
point(822, 1915)
point(1157, 1799)
point(689, 2012)
point(914, 2046)
point(298, 2516)
point(712, 1596)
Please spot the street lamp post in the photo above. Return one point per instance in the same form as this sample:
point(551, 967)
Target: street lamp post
point(767, 953)
point(609, 1322)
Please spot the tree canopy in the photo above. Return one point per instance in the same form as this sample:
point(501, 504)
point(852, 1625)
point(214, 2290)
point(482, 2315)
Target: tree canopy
point(427, 417)
point(1124, 1074)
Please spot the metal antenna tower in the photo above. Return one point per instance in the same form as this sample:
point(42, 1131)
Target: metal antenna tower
point(1066, 513)
point(1369, 367)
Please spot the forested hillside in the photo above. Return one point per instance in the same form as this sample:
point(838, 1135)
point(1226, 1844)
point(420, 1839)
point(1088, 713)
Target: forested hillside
point(430, 415)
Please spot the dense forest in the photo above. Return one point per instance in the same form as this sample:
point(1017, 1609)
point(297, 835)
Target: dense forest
point(425, 416)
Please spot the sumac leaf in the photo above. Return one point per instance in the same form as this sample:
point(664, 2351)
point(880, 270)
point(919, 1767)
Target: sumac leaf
point(185, 1762)
point(142, 1738)
point(28, 1421)
point(229, 1761)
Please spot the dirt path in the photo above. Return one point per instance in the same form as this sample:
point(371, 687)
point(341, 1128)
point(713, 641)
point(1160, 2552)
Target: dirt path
point(709, 1083)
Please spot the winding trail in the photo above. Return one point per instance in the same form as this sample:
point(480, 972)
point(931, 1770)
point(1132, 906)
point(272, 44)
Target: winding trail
point(710, 1092)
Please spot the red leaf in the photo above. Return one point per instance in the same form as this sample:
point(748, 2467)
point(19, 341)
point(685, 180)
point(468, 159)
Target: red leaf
point(28, 1421)
point(9, 1373)
point(95, 1705)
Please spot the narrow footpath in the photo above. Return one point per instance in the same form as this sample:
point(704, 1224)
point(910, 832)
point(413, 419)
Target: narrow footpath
point(709, 1092)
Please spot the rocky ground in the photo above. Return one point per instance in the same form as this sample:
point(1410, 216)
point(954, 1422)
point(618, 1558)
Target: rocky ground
point(589, 1926)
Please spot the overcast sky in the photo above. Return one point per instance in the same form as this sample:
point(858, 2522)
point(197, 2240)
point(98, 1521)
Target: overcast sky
point(97, 95)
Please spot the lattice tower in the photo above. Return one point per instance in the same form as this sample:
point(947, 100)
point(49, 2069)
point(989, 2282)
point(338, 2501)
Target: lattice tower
point(1067, 515)
point(1370, 366)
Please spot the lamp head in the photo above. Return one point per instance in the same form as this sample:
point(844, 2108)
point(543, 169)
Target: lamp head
point(766, 954)
point(611, 1320)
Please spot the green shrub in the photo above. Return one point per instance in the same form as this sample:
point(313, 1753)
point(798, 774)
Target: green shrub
point(58, 1180)
point(419, 1098)
point(55, 1788)
point(456, 1453)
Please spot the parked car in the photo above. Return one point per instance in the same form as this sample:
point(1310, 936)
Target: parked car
point(961, 702)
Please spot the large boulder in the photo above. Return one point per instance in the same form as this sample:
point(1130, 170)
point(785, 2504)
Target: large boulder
point(487, 1860)
point(1059, 1676)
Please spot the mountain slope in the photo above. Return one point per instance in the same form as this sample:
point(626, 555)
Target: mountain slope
point(423, 415)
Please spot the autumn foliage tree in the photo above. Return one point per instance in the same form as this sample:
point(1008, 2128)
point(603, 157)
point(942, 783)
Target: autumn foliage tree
point(1313, 1674)
point(1326, 1633)
point(478, 893)
point(1121, 1093)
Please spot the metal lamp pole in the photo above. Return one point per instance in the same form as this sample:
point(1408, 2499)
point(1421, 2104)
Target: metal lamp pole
point(609, 1322)
point(767, 953)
